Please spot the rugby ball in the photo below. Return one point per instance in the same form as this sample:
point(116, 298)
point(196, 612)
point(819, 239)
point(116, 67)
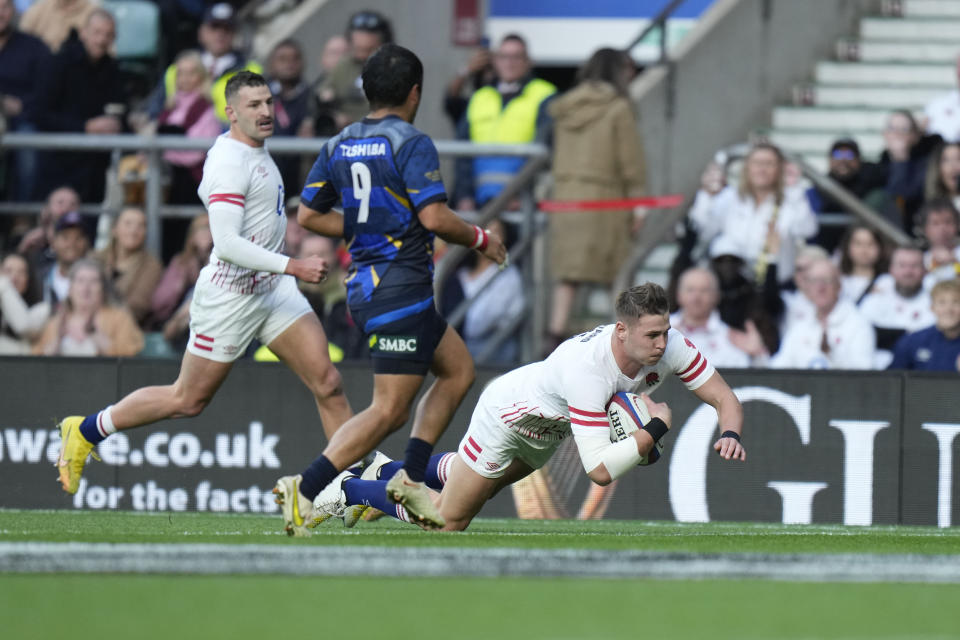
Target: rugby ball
point(626, 413)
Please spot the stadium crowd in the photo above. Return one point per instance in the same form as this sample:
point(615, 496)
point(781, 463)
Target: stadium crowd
point(758, 281)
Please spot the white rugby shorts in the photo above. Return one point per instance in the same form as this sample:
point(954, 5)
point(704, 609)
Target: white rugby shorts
point(489, 446)
point(222, 323)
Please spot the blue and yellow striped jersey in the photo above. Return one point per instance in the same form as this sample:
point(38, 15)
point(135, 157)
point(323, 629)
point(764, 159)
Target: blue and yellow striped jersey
point(382, 172)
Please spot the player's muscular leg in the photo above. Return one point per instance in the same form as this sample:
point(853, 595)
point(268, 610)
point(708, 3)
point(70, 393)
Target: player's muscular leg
point(393, 395)
point(303, 347)
point(466, 491)
point(453, 367)
point(193, 389)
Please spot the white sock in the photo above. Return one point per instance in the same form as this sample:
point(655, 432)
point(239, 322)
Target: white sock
point(105, 422)
point(402, 514)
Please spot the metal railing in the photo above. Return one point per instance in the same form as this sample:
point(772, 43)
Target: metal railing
point(655, 231)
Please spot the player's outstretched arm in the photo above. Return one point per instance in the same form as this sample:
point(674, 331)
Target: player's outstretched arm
point(718, 394)
point(329, 223)
point(441, 220)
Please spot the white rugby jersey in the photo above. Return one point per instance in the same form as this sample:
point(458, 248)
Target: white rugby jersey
point(240, 180)
point(569, 391)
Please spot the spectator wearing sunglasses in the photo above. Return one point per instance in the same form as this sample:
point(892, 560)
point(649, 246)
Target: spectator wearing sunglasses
point(865, 180)
point(343, 89)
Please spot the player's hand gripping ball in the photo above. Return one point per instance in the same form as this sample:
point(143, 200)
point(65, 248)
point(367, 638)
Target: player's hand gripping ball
point(626, 413)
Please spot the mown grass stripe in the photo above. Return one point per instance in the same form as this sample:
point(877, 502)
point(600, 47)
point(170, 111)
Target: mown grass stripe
point(51, 557)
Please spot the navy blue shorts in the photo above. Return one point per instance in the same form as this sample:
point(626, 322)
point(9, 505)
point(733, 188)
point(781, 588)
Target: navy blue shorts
point(402, 335)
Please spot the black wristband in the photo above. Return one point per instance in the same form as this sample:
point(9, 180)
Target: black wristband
point(657, 428)
point(731, 434)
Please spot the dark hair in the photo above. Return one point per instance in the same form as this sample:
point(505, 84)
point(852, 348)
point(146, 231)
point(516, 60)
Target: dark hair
point(605, 65)
point(287, 43)
point(647, 299)
point(32, 295)
point(846, 263)
point(243, 79)
point(515, 37)
point(937, 204)
point(389, 75)
point(371, 22)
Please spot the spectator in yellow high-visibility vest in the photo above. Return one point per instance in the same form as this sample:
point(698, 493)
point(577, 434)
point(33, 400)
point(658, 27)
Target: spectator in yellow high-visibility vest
point(222, 61)
point(510, 111)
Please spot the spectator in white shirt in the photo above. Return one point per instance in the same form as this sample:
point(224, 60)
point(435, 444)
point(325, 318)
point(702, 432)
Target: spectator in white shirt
point(797, 303)
point(942, 114)
point(698, 293)
point(940, 223)
point(862, 261)
point(901, 308)
point(835, 337)
point(757, 214)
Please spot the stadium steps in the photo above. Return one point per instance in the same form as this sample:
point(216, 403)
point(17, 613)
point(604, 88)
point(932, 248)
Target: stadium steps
point(899, 60)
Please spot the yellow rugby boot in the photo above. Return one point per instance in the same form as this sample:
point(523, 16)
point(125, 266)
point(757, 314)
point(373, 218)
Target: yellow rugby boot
point(74, 449)
point(297, 510)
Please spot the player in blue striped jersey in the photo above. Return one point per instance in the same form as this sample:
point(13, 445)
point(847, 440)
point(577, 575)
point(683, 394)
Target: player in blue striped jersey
point(386, 176)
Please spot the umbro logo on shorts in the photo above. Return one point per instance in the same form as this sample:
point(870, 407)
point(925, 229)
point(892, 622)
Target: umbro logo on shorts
point(396, 344)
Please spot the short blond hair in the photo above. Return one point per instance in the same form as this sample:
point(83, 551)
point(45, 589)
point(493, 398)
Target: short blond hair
point(946, 286)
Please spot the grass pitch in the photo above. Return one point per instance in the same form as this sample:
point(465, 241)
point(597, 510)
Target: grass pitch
point(255, 606)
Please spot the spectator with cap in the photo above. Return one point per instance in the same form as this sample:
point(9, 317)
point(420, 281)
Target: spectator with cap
point(899, 303)
point(23, 59)
point(936, 348)
point(512, 111)
point(36, 243)
point(70, 243)
point(942, 114)
point(939, 225)
point(221, 60)
point(343, 89)
point(835, 336)
point(865, 180)
point(53, 20)
point(83, 93)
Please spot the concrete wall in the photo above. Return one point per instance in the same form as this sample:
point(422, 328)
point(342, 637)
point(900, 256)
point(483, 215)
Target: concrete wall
point(741, 60)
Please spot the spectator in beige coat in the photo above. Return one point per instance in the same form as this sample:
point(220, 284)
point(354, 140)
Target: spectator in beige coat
point(597, 156)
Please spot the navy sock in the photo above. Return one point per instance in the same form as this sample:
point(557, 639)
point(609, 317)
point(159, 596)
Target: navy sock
point(418, 454)
point(437, 470)
point(319, 474)
point(89, 429)
point(369, 492)
point(386, 471)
